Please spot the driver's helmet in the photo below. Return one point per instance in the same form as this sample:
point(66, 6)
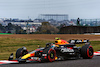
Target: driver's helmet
point(59, 41)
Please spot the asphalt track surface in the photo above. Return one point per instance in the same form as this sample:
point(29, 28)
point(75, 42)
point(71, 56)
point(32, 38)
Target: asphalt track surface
point(94, 62)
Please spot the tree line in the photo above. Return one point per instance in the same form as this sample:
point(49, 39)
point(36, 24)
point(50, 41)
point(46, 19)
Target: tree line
point(10, 28)
point(47, 28)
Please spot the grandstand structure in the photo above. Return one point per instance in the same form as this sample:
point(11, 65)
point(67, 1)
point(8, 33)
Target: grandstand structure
point(56, 17)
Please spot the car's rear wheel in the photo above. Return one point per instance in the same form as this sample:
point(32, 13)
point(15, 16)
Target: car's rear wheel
point(87, 51)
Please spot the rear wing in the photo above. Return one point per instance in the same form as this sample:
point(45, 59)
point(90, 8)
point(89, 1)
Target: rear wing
point(78, 41)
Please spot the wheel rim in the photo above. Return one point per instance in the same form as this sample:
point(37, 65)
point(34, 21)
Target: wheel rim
point(90, 51)
point(52, 55)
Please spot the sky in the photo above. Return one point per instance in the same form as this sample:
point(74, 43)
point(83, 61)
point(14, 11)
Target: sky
point(25, 9)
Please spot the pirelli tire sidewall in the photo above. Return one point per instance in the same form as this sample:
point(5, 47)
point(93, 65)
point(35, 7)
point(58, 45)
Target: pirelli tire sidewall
point(87, 51)
point(51, 55)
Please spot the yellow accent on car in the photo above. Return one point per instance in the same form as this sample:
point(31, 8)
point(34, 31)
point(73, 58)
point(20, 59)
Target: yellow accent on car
point(56, 58)
point(26, 56)
point(57, 45)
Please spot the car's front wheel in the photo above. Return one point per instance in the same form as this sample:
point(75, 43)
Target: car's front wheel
point(21, 52)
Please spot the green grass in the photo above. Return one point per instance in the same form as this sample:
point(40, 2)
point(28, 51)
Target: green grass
point(96, 45)
point(10, 45)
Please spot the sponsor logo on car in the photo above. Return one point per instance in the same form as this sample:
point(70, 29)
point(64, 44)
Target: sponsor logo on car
point(67, 50)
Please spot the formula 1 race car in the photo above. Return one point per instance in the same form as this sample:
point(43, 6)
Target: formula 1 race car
point(60, 50)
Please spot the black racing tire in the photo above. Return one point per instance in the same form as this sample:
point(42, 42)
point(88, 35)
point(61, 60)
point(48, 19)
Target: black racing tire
point(51, 55)
point(20, 52)
point(87, 51)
